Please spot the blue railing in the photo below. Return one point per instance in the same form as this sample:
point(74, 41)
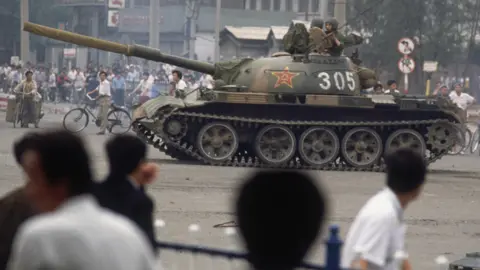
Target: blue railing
point(332, 254)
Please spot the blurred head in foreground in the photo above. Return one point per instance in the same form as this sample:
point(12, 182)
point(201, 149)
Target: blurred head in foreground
point(127, 155)
point(280, 214)
point(406, 174)
point(57, 167)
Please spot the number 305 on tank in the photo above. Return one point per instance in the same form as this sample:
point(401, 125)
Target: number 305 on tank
point(337, 80)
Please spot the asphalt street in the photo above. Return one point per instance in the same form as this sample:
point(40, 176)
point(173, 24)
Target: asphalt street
point(444, 221)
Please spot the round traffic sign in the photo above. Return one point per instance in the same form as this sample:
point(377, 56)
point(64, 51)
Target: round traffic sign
point(406, 65)
point(406, 46)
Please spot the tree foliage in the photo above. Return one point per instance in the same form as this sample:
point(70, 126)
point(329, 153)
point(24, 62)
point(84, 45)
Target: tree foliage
point(443, 29)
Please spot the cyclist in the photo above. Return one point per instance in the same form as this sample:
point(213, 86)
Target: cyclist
point(27, 91)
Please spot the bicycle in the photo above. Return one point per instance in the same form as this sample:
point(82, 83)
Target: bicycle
point(18, 115)
point(475, 139)
point(115, 117)
point(465, 144)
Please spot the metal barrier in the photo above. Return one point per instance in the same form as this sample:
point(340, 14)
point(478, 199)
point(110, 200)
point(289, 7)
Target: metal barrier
point(237, 260)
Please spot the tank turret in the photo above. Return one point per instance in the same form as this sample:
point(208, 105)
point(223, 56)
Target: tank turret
point(280, 74)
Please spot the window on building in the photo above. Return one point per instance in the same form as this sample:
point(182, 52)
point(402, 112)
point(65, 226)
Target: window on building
point(289, 5)
point(265, 4)
point(232, 4)
point(140, 3)
point(316, 4)
point(208, 3)
point(276, 5)
point(253, 5)
point(303, 5)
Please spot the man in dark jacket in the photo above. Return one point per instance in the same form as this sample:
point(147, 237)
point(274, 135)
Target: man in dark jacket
point(15, 207)
point(123, 189)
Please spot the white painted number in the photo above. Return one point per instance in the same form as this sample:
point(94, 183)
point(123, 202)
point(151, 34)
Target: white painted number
point(339, 81)
point(350, 81)
point(325, 84)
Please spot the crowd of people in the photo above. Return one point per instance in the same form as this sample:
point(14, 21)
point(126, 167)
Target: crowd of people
point(63, 219)
point(63, 85)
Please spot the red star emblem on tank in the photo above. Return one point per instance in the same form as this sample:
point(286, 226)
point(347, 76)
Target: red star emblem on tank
point(284, 77)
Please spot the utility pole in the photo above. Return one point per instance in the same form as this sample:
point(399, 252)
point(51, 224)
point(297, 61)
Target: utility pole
point(154, 31)
point(324, 9)
point(191, 9)
point(217, 30)
point(340, 13)
point(24, 36)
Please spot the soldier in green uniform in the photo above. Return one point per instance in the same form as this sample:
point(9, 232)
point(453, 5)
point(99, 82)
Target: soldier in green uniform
point(318, 40)
point(335, 37)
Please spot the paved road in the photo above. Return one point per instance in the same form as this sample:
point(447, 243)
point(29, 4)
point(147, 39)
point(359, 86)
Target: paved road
point(445, 220)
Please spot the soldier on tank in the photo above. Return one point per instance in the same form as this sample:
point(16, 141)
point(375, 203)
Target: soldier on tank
point(318, 40)
point(335, 38)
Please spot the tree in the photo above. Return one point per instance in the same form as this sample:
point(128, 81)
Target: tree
point(442, 28)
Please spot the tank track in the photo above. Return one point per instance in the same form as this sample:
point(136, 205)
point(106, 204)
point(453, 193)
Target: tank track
point(186, 151)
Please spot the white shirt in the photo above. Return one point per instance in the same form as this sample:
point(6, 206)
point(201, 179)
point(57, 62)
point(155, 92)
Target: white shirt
point(388, 91)
point(52, 80)
point(377, 233)
point(80, 235)
point(181, 85)
point(104, 88)
point(72, 74)
point(462, 101)
point(79, 80)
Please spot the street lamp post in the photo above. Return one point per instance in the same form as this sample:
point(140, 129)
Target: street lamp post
point(24, 36)
point(217, 30)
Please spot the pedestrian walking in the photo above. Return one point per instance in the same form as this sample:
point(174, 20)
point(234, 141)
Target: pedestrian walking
point(378, 232)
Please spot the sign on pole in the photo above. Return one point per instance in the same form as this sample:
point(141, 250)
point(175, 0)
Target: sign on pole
point(69, 52)
point(430, 66)
point(406, 65)
point(406, 46)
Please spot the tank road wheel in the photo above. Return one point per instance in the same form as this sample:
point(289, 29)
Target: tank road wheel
point(217, 141)
point(176, 129)
point(361, 147)
point(275, 145)
point(318, 146)
point(443, 136)
point(406, 138)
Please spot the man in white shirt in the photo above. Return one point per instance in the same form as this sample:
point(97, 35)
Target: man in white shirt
point(462, 100)
point(181, 86)
point(73, 232)
point(104, 96)
point(378, 231)
point(392, 88)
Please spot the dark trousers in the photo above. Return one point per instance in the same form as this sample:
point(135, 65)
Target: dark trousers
point(119, 97)
point(28, 111)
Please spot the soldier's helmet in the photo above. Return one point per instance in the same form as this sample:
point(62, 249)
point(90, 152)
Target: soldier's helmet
point(333, 22)
point(316, 23)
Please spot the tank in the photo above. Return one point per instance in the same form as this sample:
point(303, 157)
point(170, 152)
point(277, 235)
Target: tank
point(285, 111)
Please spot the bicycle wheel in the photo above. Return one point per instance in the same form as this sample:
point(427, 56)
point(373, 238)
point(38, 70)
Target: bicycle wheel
point(18, 115)
point(474, 141)
point(80, 119)
point(468, 139)
point(119, 121)
point(461, 146)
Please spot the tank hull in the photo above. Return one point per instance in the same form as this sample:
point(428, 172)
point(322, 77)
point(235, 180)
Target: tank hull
point(299, 136)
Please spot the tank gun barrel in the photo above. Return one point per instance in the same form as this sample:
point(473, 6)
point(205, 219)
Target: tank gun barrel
point(128, 50)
